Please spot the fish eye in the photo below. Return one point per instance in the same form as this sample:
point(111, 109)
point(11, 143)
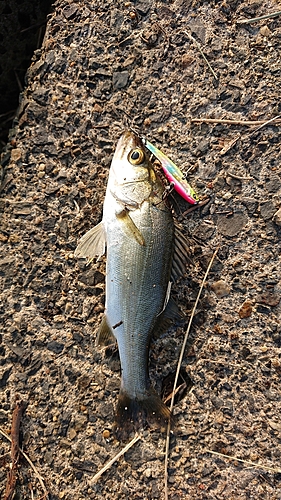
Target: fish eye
point(136, 156)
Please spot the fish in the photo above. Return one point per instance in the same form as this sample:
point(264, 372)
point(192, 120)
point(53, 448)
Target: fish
point(146, 253)
point(174, 175)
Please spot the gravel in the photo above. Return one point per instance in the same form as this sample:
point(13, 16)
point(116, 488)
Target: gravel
point(101, 69)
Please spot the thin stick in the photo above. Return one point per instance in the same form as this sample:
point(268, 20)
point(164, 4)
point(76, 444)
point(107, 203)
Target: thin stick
point(276, 471)
point(179, 366)
point(202, 54)
point(248, 123)
point(30, 463)
point(114, 459)
point(276, 118)
point(15, 430)
point(255, 19)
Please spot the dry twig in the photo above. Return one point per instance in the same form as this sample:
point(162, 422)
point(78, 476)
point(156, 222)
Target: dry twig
point(114, 459)
point(178, 369)
point(259, 466)
point(255, 19)
point(13, 472)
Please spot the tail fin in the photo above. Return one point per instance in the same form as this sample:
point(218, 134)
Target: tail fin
point(134, 414)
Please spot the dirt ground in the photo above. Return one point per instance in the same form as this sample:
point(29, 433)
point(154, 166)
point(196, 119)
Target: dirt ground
point(105, 66)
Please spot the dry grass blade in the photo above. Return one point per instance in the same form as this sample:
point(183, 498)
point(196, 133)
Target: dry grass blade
point(202, 53)
point(275, 119)
point(37, 475)
point(179, 366)
point(255, 19)
point(259, 466)
point(114, 459)
point(248, 123)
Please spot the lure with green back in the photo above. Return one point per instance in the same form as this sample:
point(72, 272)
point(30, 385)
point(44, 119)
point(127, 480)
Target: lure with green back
point(173, 174)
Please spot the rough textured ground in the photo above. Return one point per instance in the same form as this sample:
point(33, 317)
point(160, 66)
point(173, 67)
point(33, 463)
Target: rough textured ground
point(102, 68)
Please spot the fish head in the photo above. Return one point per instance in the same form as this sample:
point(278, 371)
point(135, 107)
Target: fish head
point(131, 173)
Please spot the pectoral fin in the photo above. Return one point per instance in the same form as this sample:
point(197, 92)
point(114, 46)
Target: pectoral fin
point(92, 244)
point(105, 336)
point(130, 227)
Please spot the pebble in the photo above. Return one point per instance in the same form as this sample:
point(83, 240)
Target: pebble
point(120, 79)
point(71, 434)
point(55, 347)
point(269, 298)
point(148, 472)
point(245, 310)
point(221, 288)
point(267, 210)
point(233, 225)
point(15, 154)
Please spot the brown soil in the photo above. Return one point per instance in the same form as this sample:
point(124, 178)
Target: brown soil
point(103, 68)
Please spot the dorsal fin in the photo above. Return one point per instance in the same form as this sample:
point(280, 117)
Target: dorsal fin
point(181, 257)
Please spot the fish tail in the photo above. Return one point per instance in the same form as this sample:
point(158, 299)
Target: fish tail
point(134, 414)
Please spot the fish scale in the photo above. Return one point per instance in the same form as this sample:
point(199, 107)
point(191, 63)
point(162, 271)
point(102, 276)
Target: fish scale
point(137, 301)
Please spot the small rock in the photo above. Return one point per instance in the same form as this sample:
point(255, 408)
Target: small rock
point(202, 147)
point(15, 154)
point(55, 347)
point(263, 309)
point(70, 11)
point(220, 288)
point(251, 205)
point(120, 79)
point(97, 108)
point(80, 422)
point(83, 382)
point(273, 184)
point(267, 210)
point(245, 310)
point(148, 472)
point(71, 434)
point(265, 31)
point(269, 298)
point(231, 226)
point(198, 28)
point(106, 434)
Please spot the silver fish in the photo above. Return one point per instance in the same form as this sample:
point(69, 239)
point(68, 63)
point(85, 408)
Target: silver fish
point(145, 253)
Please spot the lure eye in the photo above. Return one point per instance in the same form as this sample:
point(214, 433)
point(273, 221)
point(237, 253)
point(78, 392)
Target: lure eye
point(136, 156)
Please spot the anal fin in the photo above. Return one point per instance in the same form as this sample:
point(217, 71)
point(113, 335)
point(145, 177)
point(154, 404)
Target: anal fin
point(105, 336)
point(167, 318)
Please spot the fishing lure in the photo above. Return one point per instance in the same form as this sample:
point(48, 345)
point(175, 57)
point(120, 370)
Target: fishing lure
point(173, 174)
